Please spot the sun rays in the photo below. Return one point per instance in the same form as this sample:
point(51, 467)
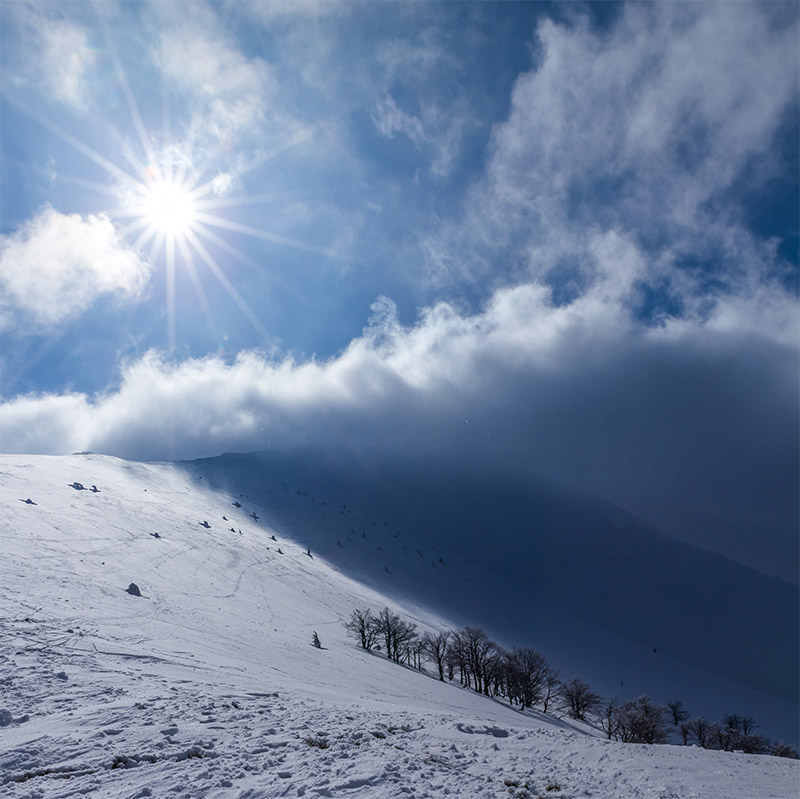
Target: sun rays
point(167, 202)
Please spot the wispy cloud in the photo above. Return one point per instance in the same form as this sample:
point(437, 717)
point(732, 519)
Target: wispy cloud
point(231, 88)
point(235, 97)
point(644, 130)
point(437, 131)
point(57, 56)
point(293, 9)
point(391, 120)
point(56, 265)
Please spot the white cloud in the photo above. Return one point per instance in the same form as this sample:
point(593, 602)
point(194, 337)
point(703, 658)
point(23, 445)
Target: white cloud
point(391, 120)
point(692, 425)
point(641, 130)
point(221, 184)
point(54, 55)
point(231, 90)
point(65, 60)
point(438, 132)
point(56, 265)
point(448, 358)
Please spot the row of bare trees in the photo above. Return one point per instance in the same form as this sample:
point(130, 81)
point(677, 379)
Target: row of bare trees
point(525, 678)
point(734, 733)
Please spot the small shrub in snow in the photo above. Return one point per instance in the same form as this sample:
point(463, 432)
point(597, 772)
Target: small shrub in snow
point(319, 743)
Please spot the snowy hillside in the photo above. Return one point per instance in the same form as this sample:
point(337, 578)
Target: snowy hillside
point(207, 683)
point(603, 594)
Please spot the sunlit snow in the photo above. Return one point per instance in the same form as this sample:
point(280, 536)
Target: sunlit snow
point(207, 684)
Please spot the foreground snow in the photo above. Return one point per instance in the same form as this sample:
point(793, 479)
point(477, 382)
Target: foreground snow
point(207, 685)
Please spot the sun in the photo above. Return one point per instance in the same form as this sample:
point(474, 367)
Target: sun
point(168, 208)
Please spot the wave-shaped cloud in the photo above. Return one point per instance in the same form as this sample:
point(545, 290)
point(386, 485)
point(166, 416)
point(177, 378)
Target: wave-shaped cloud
point(680, 422)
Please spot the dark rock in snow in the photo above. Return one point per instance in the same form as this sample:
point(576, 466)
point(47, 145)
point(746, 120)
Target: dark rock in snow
point(77, 486)
point(133, 590)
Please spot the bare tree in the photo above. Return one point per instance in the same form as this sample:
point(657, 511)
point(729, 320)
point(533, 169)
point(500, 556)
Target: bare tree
point(747, 725)
point(415, 652)
point(406, 647)
point(753, 744)
point(451, 661)
point(578, 698)
point(475, 651)
point(700, 730)
point(551, 684)
point(362, 625)
point(526, 675)
point(386, 623)
point(737, 733)
point(642, 721)
point(495, 672)
point(397, 635)
point(434, 647)
point(685, 731)
point(781, 749)
point(677, 713)
point(609, 719)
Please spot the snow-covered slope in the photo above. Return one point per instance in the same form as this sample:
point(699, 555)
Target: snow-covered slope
point(599, 591)
point(207, 684)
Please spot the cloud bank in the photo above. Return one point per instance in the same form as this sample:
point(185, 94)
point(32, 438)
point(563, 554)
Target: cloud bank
point(688, 426)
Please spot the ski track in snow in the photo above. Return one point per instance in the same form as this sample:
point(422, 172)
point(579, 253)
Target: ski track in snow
point(207, 685)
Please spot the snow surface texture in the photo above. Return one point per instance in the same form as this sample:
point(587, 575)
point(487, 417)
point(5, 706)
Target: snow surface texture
point(207, 684)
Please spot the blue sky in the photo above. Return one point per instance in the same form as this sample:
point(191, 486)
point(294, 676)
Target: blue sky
point(550, 237)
